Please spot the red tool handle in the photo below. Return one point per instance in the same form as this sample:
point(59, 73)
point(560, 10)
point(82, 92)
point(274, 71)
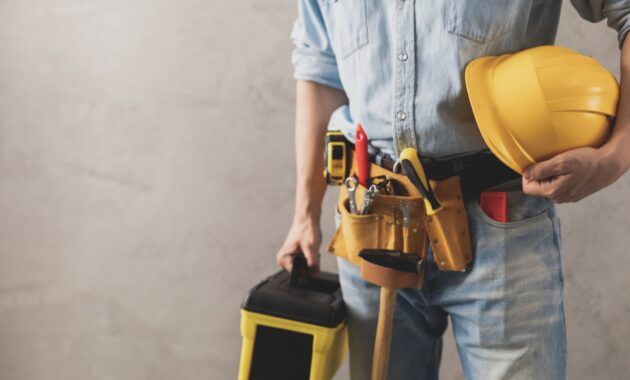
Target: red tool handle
point(361, 149)
point(494, 204)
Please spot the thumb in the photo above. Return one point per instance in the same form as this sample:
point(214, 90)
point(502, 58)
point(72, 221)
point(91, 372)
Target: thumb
point(553, 167)
point(284, 257)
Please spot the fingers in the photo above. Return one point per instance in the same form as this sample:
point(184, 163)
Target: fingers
point(554, 167)
point(558, 189)
point(312, 259)
point(536, 188)
point(286, 262)
point(284, 258)
point(304, 238)
point(550, 179)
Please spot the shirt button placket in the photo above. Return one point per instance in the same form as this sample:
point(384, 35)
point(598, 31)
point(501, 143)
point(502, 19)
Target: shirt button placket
point(404, 133)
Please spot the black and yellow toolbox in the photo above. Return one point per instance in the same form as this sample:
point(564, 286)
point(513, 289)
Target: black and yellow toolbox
point(293, 327)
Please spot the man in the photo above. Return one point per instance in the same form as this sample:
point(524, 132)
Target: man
point(397, 67)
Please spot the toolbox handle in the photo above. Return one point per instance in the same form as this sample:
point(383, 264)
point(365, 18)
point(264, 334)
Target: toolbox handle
point(299, 270)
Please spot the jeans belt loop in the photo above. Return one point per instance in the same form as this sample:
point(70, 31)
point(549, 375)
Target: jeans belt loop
point(458, 165)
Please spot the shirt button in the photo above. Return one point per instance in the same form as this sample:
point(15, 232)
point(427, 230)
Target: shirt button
point(403, 56)
point(401, 116)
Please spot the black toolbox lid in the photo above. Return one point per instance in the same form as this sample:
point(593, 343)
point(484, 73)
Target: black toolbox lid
point(311, 299)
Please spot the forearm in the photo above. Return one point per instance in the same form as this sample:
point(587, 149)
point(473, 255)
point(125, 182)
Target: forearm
point(618, 146)
point(314, 105)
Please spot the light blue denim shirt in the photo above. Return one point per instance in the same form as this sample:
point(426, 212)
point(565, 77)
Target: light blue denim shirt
point(401, 62)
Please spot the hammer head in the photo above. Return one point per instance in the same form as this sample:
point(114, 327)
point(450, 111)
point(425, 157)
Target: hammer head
point(392, 269)
point(391, 259)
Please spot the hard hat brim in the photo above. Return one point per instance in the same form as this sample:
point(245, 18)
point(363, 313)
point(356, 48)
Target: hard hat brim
point(478, 78)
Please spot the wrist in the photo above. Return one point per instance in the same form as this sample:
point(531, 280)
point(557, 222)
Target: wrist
point(308, 201)
point(305, 219)
point(307, 212)
point(616, 154)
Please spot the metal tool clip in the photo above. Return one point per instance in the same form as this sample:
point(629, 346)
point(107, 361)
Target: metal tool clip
point(383, 184)
point(368, 199)
point(405, 207)
point(351, 185)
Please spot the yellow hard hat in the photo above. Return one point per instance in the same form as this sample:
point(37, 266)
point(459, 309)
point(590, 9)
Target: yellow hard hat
point(539, 102)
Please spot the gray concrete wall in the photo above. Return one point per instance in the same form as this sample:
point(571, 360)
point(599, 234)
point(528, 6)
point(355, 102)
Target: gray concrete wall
point(146, 173)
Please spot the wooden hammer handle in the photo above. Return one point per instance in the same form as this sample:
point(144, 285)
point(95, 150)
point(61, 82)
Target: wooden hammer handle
point(380, 359)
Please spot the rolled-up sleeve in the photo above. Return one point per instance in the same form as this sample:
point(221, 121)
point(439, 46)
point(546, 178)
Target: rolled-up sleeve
point(616, 13)
point(313, 58)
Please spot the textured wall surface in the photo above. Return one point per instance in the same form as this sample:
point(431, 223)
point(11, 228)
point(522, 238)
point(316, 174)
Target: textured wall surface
point(146, 178)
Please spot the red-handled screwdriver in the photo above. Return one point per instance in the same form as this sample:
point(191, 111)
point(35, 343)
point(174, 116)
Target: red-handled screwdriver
point(361, 150)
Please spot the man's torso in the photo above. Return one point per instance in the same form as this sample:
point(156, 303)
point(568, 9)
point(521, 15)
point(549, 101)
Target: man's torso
point(401, 63)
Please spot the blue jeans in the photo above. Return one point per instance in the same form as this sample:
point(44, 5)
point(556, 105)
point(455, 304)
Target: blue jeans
point(507, 311)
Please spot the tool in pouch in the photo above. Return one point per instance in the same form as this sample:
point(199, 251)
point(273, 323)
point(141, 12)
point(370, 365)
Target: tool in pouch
point(351, 186)
point(414, 169)
point(446, 221)
point(361, 150)
point(368, 198)
point(391, 270)
point(336, 158)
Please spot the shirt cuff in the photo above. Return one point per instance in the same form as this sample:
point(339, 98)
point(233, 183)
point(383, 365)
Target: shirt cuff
point(622, 33)
point(617, 14)
point(316, 67)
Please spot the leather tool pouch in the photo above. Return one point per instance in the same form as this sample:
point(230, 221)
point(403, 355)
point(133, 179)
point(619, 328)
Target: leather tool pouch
point(382, 227)
point(448, 229)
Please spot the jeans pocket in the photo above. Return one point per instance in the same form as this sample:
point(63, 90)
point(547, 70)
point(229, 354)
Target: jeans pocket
point(346, 23)
point(522, 209)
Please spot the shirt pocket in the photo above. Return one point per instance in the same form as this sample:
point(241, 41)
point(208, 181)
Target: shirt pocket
point(483, 21)
point(346, 23)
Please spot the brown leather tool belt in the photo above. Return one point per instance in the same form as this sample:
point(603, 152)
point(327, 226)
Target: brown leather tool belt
point(385, 226)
